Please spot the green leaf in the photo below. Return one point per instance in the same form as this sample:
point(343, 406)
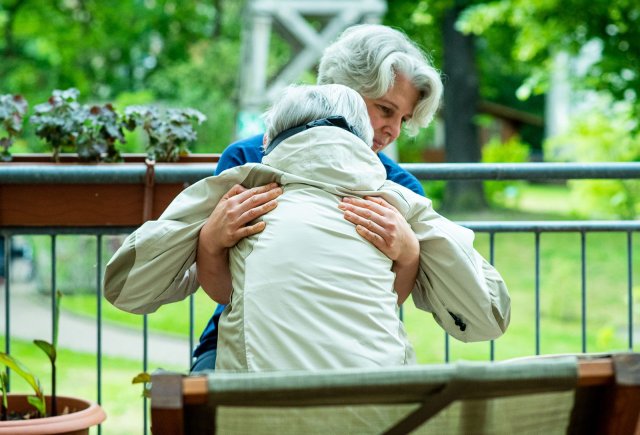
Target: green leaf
point(145, 379)
point(47, 348)
point(140, 378)
point(38, 403)
point(22, 371)
point(4, 381)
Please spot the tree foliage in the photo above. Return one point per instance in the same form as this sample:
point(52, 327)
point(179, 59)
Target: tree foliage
point(610, 134)
point(500, 75)
point(183, 53)
point(606, 129)
point(95, 47)
point(540, 29)
point(187, 53)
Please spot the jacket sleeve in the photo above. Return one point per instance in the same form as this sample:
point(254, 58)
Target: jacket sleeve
point(466, 295)
point(156, 263)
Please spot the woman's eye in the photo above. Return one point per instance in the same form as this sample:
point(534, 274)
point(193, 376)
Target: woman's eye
point(386, 110)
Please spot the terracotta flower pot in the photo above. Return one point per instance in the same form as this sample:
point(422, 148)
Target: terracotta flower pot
point(82, 415)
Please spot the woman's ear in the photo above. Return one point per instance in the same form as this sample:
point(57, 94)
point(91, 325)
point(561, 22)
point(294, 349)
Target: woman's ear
point(264, 140)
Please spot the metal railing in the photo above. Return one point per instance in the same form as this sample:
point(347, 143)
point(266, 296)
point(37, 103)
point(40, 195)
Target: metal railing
point(191, 173)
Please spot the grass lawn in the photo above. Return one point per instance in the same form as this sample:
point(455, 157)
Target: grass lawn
point(171, 319)
point(544, 198)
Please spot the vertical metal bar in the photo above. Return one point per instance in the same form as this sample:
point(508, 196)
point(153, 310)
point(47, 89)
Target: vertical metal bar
point(583, 274)
point(145, 363)
point(7, 301)
point(446, 347)
point(537, 290)
point(492, 344)
point(54, 260)
point(191, 327)
point(630, 286)
point(99, 319)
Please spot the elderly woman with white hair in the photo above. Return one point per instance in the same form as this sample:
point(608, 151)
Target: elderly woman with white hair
point(312, 292)
point(309, 292)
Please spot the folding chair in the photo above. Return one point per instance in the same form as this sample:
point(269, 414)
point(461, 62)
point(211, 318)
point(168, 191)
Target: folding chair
point(563, 394)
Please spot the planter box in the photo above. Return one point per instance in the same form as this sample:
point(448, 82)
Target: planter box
point(35, 192)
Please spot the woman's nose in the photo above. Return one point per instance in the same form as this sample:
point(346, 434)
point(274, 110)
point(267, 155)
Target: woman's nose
point(392, 128)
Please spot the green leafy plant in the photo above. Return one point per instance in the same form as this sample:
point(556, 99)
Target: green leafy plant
point(94, 131)
point(102, 128)
point(12, 111)
point(58, 121)
point(607, 132)
point(169, 131)
point(37, 401)
point(67, 125)
point(4, 389)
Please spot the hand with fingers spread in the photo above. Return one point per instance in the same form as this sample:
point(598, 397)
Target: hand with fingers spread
point(381, 224)
point(227, 225)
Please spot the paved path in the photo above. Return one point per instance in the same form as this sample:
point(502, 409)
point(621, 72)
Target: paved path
point(30, 318)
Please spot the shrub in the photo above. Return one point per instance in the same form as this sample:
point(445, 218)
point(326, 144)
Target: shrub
point(608, 134)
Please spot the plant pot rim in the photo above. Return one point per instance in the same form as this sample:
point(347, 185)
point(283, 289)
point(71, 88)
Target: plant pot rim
point(92, 414)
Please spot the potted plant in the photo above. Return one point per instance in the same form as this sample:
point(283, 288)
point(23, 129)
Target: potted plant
point(12, 111)
point(24, 414)
point(66, 125)
point(94, 194)
point(169, 131)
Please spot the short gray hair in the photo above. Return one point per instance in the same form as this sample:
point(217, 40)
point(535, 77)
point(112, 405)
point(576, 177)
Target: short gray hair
point(300, 104)
point(367, 57)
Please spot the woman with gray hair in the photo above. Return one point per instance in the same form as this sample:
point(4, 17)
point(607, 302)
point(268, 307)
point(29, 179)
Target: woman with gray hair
point(309, 292)
point(383, 65)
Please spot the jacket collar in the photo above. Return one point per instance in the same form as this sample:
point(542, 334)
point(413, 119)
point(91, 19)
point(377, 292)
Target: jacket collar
point(330, 121)
point(329, 155)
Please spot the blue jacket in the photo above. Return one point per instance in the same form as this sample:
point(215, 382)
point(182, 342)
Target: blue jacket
point(250, 151)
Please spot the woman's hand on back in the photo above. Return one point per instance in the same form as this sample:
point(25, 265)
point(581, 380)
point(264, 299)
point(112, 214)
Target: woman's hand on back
point(228, 223)
point(225, 227)
point(381, 224)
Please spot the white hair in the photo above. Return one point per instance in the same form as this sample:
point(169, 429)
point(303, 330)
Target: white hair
point(367, 58)
point(300, 104)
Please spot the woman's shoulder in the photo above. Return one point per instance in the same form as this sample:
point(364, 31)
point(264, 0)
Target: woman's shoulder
point(399, 175)
point(247, 150)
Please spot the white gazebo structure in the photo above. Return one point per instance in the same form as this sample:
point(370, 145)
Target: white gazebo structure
point(289, 18)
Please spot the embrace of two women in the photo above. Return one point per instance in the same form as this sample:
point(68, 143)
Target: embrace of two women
point(309, 238)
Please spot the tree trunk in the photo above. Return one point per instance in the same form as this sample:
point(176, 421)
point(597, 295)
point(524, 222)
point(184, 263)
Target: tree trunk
point(460, 102)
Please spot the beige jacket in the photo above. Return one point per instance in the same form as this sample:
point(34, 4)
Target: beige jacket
point(309, 292)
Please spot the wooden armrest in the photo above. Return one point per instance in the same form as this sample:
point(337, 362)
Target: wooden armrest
point(195, 390)
point(595, 372)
